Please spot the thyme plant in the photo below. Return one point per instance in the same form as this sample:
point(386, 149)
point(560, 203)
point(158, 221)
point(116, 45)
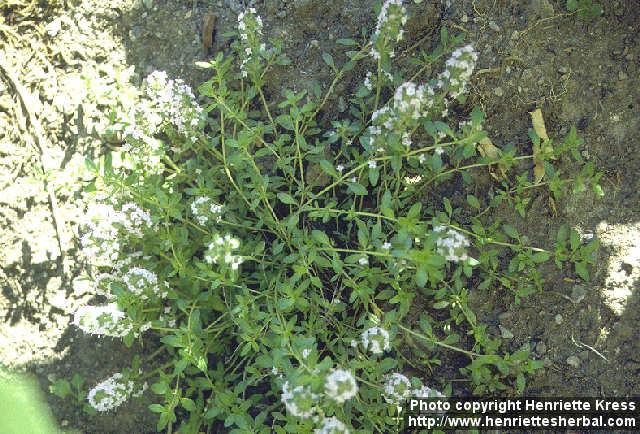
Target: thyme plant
point(289, 269)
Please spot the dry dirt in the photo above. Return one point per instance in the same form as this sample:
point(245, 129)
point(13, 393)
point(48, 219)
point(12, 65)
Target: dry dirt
point(76, 59)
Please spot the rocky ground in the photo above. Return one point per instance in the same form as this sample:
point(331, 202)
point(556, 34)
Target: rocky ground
point(64, 64)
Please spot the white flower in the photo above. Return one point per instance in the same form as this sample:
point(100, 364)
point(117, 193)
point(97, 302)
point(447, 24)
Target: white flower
point(340, 386)
point(386, 246)
point(332, 425)
point(376, 339)
point(107, 320)
point(143, 282)
point(367, 81)
point(372, 164)
point(425, 392)
point(397, 388)
point(110, 393)
point(299, 401)
point(306, 352)
point(220, 251)
point(451, 244)
point(340, 168)
point(363, 261)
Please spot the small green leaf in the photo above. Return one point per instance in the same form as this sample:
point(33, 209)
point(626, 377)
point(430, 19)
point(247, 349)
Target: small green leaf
point(328, 59)
point(320, 237)
point(358, 189)
point(61, 388)
point(156, 408)
point(582, 271)
point(473, 201)
point(511, 231)
point(188, 404)
point(346, 42)
point(286, 198)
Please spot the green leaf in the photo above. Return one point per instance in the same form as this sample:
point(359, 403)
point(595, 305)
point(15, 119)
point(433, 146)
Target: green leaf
point(511, 231)
point(320, 237)
point(374, 174)
point(441, 304)
point(77, 381)
point(156, 408)
point(572, 5)
point(60, 388)
point(473, 201)
point(447, 206)
point(328, 168)
point(358, 189)
point(188, 404)
point(328, 59)
point(582, 271)
point(286, 198)
point(346, 42)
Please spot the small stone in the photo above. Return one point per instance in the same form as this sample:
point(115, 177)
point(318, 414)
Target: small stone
point(573, 361)
point(558, 319)
point(314, 43)
point(578, 293)
point(541, 347)
point(562, 69)
point(498, 91)
point(464, 18)
point(504, 316)
point(505, 332)
point(493, 26)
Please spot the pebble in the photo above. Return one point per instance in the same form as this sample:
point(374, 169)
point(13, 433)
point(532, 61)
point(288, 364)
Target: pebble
point(505, 332)
point(498, 91)
point(541, 348)
point(493, 26)
point(558, 319)
point(573, 361)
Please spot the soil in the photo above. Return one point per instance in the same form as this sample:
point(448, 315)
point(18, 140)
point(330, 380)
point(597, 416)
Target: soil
point(76, 59)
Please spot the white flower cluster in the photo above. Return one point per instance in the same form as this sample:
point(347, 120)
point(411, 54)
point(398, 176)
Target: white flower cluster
point(202, 209)
point(143, 283)
point(412, 101)
point(332, 425)
point(175, 102)
point(250, 27)
point(134, 219)
point(340, 385)
point(426, 392)
point(451, 244)
point(299, 401)
point(392, 17)
point(220, 250)
point(106, 320)
point(376, 340)
point(106, 226)
point(458, 71)
point(397, 388)
point(110, 393)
